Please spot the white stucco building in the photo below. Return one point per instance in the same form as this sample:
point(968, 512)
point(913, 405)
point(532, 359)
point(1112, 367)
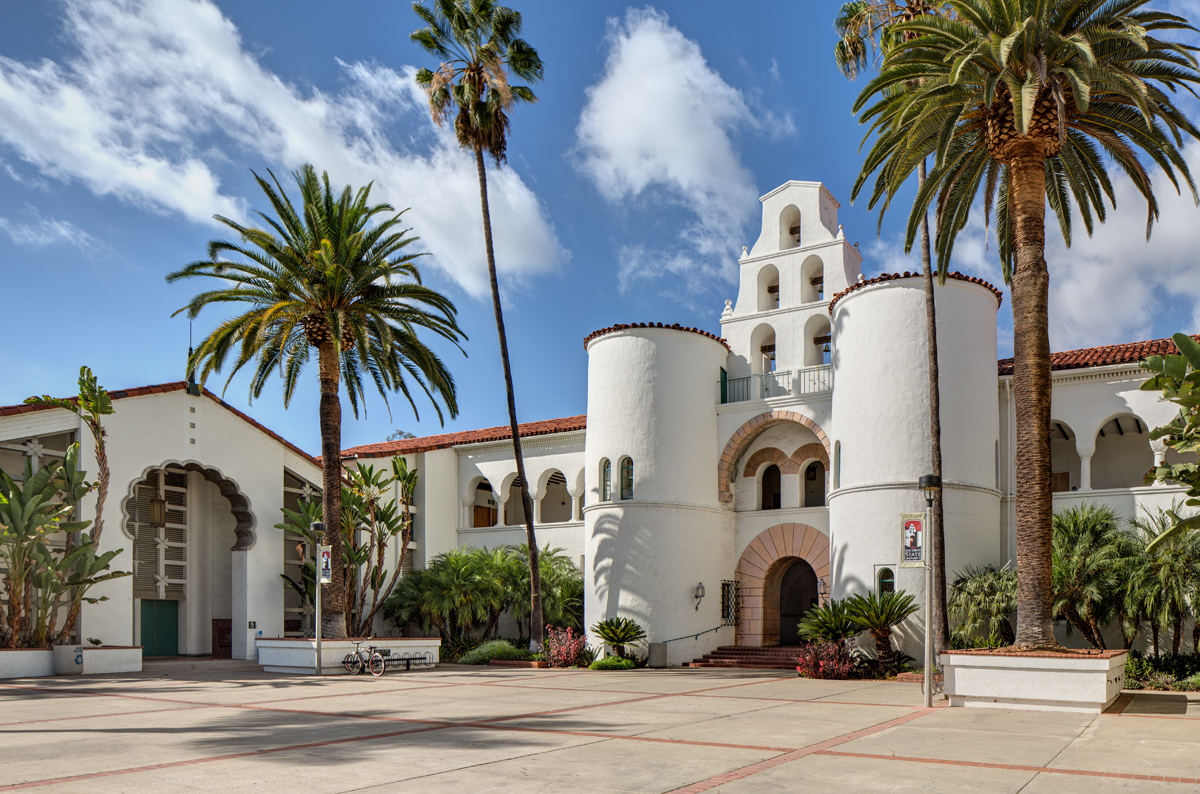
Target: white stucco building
point(768, 461)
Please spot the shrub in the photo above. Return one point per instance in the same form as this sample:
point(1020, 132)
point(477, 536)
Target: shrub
point(452, 650)
point(564, 648)
point(981, 600)
point(618, 633)
point(877, 613)
point(829, 622)
point(826, 660)
point(495, 649)
point(612, 663)
point(1188, 684)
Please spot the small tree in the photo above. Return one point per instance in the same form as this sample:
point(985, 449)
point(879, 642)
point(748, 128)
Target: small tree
point(879, 614)
point(981, 600)
point(1177, 376)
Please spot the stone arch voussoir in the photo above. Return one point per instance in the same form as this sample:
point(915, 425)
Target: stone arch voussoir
point(745, 435)
point(760, 571)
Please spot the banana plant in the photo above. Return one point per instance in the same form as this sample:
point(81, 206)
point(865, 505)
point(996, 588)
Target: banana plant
point(1177, 377)
point(30, 512)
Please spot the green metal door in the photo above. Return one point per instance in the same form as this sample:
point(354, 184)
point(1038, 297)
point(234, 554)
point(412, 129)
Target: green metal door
point(160, 628)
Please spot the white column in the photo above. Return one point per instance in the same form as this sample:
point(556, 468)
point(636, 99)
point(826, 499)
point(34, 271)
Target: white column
point(1085, 473)
point(241, 614)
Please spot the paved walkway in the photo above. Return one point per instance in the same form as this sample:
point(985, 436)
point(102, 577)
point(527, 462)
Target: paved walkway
point(204, 726)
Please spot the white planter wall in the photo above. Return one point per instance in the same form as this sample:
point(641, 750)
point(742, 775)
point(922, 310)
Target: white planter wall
point(24, 663)
point(82, 660)
point(1064, 682)
point(299, 657)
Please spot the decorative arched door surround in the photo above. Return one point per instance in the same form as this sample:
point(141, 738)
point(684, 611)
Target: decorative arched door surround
point(745, 435)
point(760, 575)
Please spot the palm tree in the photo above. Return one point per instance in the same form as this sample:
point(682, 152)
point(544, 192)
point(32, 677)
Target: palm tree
point(981, 600)
point(864, 27)
point(1088, 568)
point(879, 613)
point(1164, 580)
point(479, 43)
point(1016, 99)
point(333, 276)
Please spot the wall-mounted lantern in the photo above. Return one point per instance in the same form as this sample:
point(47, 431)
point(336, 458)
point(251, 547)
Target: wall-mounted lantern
point(158, 512)
point(699, 594)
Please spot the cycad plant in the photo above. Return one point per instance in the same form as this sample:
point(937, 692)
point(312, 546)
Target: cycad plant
point(479, 44)
point(1163, 581)
point(1026, 102)
point(879, 614)
point(333, 276)
point(865, 28)
point(829, 622)
point(982, 598)
point(619, 633)
point(1090, 564)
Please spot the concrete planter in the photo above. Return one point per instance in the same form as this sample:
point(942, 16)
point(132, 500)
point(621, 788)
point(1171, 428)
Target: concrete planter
point(518, 663)
point(298, 656)
point(1085, 683)
point(26, 663)
point(83, 660)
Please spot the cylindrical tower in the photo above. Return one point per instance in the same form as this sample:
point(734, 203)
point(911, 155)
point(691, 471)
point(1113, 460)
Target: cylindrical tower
point(881, 421)
point(654, 529)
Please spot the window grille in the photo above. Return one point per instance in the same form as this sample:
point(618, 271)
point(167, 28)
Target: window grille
point(729, 603)
point(626, 478)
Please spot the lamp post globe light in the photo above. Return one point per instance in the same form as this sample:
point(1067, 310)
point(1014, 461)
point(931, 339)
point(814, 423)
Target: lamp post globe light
point(929, 484)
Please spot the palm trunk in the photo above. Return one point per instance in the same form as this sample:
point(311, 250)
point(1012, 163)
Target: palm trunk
point(1196, 635)
point(1154, 638)
point(883, 649)
point(941, 620)
point(1031, 394)
point(1176, 636)
point(535, 579)
point(333, 595)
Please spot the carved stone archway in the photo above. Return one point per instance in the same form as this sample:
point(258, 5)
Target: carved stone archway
point(239, 503)
point(745, 435)
point(760, 571)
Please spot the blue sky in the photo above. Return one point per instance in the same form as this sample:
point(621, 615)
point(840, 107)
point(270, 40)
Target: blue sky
point(631, 185)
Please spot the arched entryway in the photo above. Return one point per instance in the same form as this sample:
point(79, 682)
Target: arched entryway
point(797, 595)
point(763, 572)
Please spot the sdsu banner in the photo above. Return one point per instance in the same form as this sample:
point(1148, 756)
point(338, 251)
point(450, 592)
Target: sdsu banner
point(912, 540)
point(325, 564)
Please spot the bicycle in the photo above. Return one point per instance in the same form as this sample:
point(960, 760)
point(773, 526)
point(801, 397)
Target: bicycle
point(358, 660)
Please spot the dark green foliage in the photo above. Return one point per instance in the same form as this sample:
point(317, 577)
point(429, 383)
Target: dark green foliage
point(1090, 562)
point(981, 600)
point(619, 633)
point(612, 663)
point(878, 613)
point(494, 649)
point(1180, 672)
point(828, 622)
point(1178, 378)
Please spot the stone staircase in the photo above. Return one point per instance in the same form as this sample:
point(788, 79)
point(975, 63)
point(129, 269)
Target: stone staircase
point(736, 656)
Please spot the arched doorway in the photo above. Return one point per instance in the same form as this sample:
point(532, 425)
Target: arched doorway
point(771, 491)
point(765, 564)
point(797, 595)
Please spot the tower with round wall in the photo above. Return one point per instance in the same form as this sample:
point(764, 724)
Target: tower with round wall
point(882, 443)
point(654, 528)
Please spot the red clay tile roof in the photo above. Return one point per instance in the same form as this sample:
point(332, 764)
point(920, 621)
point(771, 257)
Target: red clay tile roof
point(675, 327)
point(164, 388)
point(894, 276)
point(1103, 356)
point(408, 446)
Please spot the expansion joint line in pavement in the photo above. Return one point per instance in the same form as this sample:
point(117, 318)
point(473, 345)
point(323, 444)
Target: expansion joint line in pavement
point(1016, 767)
point(795, 755)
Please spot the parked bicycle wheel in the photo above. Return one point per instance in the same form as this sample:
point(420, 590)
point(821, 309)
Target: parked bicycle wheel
point(377, 665)
point(353, 664)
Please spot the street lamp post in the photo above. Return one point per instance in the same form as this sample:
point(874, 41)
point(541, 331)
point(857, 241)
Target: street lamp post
point(929, 484)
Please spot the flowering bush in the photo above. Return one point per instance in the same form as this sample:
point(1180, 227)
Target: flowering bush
point(564, 648)
point(826, 660)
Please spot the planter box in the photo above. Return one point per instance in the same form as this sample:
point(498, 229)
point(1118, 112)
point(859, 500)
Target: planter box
point(1085, 683)
point(26, 663)
point(298, 656)
point(84, 660)
point(519, 663)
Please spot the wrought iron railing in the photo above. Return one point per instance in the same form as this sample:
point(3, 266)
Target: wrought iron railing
point(810, 380)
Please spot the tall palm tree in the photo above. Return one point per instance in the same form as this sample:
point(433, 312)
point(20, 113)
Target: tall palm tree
point(333, 276)
point(865, 27)
point(1017, 100)
point(479, 44)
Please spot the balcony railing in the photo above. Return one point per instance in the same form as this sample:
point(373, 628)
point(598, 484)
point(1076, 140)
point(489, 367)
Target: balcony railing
point(810, 380)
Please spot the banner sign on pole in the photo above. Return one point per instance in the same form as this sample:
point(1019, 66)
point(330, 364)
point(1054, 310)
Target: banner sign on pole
point(912, 540)
point(325, 564)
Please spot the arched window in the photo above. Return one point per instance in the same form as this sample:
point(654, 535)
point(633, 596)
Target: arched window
point(887, 581)
point(837, 464)
point(768, 288)
point(789, 228)
point(771, 491)
point(626, 478)
point(814, 484)
point(483, 510)
point(605, 480)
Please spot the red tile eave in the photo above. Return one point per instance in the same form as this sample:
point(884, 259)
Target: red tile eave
point(675, 327)
point(411, 446)
point(882, 277)
point(166, 388)
point(1103, 356)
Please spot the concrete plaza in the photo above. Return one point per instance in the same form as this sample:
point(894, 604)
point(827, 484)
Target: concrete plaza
point(208, 726)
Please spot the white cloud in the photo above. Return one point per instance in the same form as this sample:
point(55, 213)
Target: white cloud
point(48, 231)
point(1112, 287)
point(154, 89)
point(657, 126)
